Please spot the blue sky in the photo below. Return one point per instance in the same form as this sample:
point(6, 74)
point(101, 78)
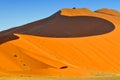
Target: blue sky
point(18, 12)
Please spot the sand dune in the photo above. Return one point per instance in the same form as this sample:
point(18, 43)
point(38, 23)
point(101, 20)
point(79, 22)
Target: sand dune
point(71, 42)
point(109, 12)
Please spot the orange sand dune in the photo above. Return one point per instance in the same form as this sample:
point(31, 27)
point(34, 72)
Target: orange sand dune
point(108, 11)
point(72, 42)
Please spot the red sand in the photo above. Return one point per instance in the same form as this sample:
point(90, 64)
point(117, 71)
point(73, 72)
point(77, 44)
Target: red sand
point(71, 42)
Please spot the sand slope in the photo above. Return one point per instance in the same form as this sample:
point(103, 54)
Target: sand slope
point(72, 42)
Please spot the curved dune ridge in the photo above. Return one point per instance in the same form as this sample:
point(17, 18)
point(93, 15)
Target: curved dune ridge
point(71, 42)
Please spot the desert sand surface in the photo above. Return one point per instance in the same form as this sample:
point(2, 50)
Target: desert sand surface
point(62, 78)
point(71, 42)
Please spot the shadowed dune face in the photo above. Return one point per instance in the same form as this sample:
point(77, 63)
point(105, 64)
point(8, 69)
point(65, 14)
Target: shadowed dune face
point(59, 26)
point(80, 26)
point(7, 38)
point(7, 35)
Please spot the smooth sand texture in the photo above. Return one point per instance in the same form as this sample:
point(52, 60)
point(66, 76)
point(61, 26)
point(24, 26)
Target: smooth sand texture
point(109, 12)
point(55, 47)
point(62, 78)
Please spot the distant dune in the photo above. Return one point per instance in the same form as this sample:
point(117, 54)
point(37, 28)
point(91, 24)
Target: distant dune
point(71, 42)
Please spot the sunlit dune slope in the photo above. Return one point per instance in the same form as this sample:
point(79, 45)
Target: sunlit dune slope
point(71, 42)
point(109, 12)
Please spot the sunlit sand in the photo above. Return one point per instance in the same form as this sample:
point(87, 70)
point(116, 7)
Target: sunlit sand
point(71, 42)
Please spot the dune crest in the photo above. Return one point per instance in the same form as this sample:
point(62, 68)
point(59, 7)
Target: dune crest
point(75, 11)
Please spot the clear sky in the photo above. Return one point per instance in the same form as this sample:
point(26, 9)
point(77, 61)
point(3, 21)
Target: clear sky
point(18, 12)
